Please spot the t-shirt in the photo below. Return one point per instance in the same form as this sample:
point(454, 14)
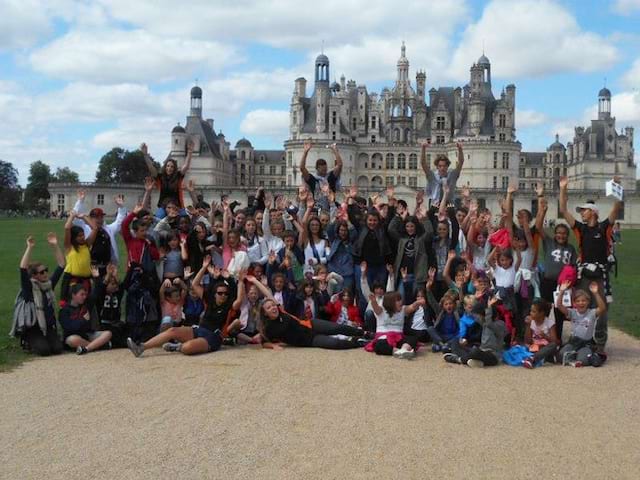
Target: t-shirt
point(371, 252)
point(173, 264)
point(480, 254)
point(320, 253)
point(594, 242)
point(386, 323)
point(448, 327)
point(215, 315)
point(316, 181)
point(539, 332)
point(583, 324)
point(172, 310)
point(556, 256)
point(505, 278)
point(418, 320)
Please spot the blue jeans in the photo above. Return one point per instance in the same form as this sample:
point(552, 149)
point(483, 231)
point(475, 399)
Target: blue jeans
point(410, 285)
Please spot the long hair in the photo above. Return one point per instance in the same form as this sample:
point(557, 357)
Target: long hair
point(389, 302)
point(75, 232)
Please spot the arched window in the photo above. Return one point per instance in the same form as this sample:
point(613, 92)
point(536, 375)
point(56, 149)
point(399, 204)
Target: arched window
point(413, 161)
point(363, 160)
point(377, 182)
point(396, 135)
point(389, 165)
point(402, 161)
point(407, 135)
point(363, 182)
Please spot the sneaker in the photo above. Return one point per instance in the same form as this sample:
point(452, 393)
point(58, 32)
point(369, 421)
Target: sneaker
point(230, 341)
point(369, 335)
point(135, 348)
point(475, 363)
point(172, 346)
point(362, 341)
point(527, 363)
point(576, 364)
point(404, 354)
point(445, 348)
point(81, 350)
point(436, 347)
point(451, 358)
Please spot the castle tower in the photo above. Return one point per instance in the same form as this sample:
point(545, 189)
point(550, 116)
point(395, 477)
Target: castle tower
point(196, 102)
point(604, 104)
point(322, 92)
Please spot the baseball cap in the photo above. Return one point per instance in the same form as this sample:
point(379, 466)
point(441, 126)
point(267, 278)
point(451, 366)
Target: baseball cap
point(588, 206)
point(96, 212)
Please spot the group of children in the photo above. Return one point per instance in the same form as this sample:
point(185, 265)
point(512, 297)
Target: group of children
point(327, 269)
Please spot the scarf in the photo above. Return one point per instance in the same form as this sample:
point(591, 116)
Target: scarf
point(40, 291)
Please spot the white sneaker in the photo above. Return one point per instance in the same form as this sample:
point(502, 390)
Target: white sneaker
point(475, 363)
point(403, 353)
point(172, 346)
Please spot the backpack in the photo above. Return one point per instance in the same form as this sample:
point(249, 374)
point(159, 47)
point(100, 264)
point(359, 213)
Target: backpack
point(101, 248)
point(141, 305)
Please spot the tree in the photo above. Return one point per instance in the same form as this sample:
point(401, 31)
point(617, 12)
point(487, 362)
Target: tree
point(66, 175)
point(10, 191)
point(122, 166)
point(37, 192)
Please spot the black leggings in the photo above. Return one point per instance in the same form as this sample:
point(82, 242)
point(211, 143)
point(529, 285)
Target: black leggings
point(382, 347)
point(40, 344)
point(488, 358)
point(323, 331)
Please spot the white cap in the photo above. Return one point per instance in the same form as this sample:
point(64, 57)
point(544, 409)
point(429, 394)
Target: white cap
point(590, 206)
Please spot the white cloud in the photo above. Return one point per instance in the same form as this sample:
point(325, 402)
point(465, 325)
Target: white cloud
point(112, 56)
point(525, 38)
point(626, 7)
point(287, 23)
point(529, 118)
point(22, 23)
point(631, 79)
point(269, 123)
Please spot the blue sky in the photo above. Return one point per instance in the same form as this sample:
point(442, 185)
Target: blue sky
point(79, 77)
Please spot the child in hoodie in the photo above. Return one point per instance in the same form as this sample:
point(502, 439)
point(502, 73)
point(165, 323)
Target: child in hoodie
point(489, 352)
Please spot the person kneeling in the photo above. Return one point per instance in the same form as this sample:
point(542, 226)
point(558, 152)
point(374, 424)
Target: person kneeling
point(75, 319)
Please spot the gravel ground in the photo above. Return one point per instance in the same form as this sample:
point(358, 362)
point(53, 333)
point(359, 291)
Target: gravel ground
point(303, 414)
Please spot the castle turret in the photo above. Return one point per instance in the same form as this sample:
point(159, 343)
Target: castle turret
point(196, 102)
point(604, 104)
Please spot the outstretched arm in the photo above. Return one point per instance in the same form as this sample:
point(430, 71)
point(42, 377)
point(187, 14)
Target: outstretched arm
point(52, 240)
point(563, 288)
point(564, 211)
point(153, 171)
point(601, 306)
point(460, 156)
point(187, 161)
point(615, 211)
point(303, 162)
point(542, 208)
point(337, 170)
point(26, 258)
point(423, 157)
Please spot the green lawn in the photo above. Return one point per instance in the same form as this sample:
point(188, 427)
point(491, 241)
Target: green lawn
point(625, 313)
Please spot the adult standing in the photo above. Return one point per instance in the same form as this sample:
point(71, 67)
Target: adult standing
point(104, 250)
point(322, 176)
point(169, 179)
point(442, 175)
point(594, 239)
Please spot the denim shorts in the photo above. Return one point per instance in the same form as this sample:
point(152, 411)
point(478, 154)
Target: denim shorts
point(214, 339)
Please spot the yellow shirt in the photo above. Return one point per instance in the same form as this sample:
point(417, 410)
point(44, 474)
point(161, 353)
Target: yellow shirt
point(79, 262)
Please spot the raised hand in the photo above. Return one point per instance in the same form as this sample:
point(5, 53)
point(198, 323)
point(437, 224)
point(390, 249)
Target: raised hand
point(191, 185)
point(466, 191)
point(81, 195)
point(149, 184)
point(425, 144)
point(452, 255)
point(564, 182)
point(31, 242)
point(206, 261)
point(566, 285)
point(250, 278)
point(539, 189)
point(190, 147)
point(307, 145)
point(419, 197)
point(593, 287)
point(137, 208)
point(432, 273)
point(310, 202)
point(512, 189)
point(404, 273)
point(112, 270)
point(363, 267)
point(119, 201)
point(187, 271)
point(334, 147)
point(390, 191)
point(167, 283)
point(52, 239)
point(353, 191)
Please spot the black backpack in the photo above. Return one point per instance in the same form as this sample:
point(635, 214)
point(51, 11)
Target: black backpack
point(101, 248)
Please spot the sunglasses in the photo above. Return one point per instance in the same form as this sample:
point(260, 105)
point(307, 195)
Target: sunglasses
point(222, 294)
point(40, 272)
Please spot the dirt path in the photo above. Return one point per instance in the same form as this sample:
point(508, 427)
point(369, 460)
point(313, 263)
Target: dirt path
point(304, 414)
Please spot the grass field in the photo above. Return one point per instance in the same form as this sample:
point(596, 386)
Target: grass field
point(625, 313)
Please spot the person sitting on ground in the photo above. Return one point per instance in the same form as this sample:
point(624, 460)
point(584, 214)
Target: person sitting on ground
point(279, 327)
point(172, 297)
point(34, 315)
point(580, 350)
point(445, 328)
point(107, 296)
point(390, 338)
point(540, 335)
point(76, 322)
point(218, 297)
point(489, 352)
point(244, 328)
